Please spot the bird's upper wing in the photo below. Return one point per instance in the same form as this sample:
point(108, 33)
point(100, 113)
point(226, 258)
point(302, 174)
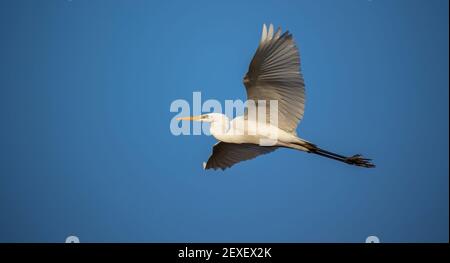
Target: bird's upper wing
point(274, 74)
point(226, 155)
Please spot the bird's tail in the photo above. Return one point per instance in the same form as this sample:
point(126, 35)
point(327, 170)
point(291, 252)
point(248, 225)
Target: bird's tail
point(356, 159)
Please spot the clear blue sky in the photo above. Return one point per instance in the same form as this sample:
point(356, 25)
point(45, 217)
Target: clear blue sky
point(86, 149)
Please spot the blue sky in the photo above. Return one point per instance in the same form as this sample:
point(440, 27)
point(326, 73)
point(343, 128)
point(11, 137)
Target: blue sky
point(86, 147)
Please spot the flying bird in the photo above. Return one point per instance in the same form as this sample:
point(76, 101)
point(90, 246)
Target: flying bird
point(274, 74)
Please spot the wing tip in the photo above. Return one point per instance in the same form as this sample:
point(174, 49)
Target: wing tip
point(278, 33)
point(264, 33)
point(269, 33)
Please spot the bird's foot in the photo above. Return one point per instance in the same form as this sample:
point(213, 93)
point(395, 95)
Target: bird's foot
point(358, 160)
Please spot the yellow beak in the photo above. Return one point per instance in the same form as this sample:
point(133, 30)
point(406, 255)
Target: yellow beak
point(190, 118)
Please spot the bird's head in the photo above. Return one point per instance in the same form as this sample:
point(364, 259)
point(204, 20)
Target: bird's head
point(209, 117)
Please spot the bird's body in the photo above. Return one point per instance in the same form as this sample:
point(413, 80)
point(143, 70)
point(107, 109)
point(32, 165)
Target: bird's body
point(273, 75)
point(242, 130)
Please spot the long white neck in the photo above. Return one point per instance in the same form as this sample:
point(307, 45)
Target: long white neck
point(220, 127)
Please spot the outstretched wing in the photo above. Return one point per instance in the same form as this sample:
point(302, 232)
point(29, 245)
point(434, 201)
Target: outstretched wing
point(274, 74)
point(226, 155)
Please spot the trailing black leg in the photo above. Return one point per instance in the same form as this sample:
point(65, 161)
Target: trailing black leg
point(356, 159)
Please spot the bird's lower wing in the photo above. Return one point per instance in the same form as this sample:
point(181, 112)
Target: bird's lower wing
point(226, 155)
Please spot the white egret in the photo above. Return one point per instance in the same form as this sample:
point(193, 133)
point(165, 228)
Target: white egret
point(273, 74)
